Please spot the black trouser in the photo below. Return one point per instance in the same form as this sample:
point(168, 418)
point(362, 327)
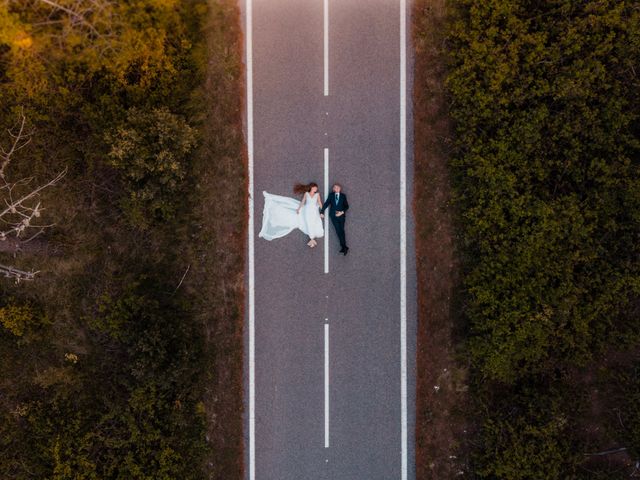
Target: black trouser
point(338, 224)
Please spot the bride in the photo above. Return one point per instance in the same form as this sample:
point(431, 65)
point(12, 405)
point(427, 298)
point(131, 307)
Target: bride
point(283, 214)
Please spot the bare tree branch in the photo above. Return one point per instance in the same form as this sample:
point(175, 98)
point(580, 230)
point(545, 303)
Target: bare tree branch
point(22, 202)
point(78, 14)
point(14, 205)
point(20, 140)
point(16, 274)
point(606, 452)
point(183, 277)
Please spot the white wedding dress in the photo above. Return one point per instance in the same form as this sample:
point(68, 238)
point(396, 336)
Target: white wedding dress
point(280, 216)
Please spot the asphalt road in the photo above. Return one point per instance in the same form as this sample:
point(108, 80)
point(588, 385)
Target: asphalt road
point(359, 298)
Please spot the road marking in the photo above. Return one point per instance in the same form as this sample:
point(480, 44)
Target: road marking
point(252, 362)
point(403, 240)
point(326, 384)
point(326, 47)
point(403, 236)
point(326, 217)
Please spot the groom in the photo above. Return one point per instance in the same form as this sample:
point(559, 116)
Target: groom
point(339, 206)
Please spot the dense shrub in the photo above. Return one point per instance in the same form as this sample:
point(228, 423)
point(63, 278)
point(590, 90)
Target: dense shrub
point(525, 432)
point(521, 451)
point(545, 100)
point(16, 318)
point(151, 150)
point(141, 420)
point(104, 379)
point(546, 108)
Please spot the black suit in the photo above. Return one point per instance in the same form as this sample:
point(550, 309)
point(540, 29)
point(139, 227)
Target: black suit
point(338, 222)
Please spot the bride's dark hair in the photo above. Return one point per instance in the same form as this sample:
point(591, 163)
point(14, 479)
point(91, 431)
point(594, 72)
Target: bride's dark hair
point(300, 188)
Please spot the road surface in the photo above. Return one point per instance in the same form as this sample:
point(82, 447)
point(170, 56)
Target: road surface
point(330, 340)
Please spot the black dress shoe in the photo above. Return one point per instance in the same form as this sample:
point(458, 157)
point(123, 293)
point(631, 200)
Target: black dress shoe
point(345, 251)
point(341, 250)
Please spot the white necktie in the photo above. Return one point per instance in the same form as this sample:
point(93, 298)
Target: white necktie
point(337, 198)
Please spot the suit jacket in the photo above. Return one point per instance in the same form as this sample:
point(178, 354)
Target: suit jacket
point(342, 205)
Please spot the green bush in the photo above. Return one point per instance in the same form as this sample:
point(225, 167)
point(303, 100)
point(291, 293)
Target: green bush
point(23, 320)
point(547, 177)
point(526, 433)
point(524, 449)
point(128, 407)
point(545, 101)
point(16, 318)
point(151, 150)
point(111, 387)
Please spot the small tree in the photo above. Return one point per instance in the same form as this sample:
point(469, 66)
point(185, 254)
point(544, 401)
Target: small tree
point(151, 151)
point(21, 201)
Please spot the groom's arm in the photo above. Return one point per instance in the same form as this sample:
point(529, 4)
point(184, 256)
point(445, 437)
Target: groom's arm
point(345, 204)
point(326, 204)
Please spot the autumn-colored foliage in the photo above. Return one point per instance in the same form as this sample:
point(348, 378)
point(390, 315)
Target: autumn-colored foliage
point(102, 356)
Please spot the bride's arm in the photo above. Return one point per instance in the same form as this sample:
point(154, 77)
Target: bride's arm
point(304, 197)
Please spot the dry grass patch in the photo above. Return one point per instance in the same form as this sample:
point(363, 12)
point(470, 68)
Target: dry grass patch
point(442, 427)
point(217, 251)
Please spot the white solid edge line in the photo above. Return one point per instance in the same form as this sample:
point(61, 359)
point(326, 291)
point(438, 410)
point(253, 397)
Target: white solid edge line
point(326, 385)
point(252, 385)
point(326, 46)
point(403, 236)
point(326, 217)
